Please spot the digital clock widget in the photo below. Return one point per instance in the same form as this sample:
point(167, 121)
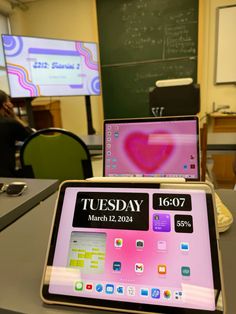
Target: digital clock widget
point(183, 223)
point(167, 201)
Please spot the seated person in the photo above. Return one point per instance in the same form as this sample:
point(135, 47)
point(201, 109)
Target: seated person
point(12, 129)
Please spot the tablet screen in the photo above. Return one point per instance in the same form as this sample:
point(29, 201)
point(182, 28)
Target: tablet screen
point(134, 248)
point(154, 147)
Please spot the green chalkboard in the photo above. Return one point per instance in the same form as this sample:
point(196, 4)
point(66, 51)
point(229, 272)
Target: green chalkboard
point(142, 41)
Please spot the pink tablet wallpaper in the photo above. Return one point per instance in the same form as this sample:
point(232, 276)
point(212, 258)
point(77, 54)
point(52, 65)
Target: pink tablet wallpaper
point(149, 246)
point(157, 148)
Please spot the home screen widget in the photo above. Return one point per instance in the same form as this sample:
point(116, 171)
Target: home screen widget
point(185, 271)
point(161, 269)
point(161, 222)
point(120, 290)
point(155, 293)
point(144, 292)
point(130, 291)
point(139, 268)
point(116, 266)
point(183, 223)
point(167, 294)
point(79, 285)
point(118, 242)
point(161, 245)
point(139, 244)
point(109, 289)
point(184, 246)
point(99, 287)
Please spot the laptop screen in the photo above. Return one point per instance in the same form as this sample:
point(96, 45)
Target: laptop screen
point(153, 147)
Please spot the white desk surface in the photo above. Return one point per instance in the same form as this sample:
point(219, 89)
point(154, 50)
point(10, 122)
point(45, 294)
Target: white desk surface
point(23, 248)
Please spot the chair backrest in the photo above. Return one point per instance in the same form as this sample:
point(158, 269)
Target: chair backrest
point(55, 153)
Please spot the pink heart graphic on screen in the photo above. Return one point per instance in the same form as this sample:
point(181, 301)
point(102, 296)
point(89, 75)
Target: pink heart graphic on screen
point(149, 151)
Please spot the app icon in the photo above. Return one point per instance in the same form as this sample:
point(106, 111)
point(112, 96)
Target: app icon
point(116, 266)
point(109, 288)
point(120, 290)
point(192, 166)
point(185, 271)
point(184, 246)
point(139, 244)
point(185, 166)
point(161, 245)
point(161, 268)
point(155, 293)
point(131, 291)
point(89, 286)
point(178, 295)
point(78, 285)
point(118, 242)
point(167, 294)
point(139, 268)
point(144, 292)
point(161, 222)
point(99, 287)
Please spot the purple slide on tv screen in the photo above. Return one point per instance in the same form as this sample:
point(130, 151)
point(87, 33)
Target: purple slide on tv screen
point(51, 67)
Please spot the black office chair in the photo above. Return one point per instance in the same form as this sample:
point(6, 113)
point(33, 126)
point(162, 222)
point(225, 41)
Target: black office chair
point(55, 153)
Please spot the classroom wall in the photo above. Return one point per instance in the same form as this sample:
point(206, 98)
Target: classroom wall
point(76, 19)
point(67, 19)
point(223, 94)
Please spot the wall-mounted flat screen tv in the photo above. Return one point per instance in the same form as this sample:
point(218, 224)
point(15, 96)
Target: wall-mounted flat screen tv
point(50, 67)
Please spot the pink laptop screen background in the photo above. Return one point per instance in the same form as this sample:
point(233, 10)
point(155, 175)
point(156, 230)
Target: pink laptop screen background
point(157, 148)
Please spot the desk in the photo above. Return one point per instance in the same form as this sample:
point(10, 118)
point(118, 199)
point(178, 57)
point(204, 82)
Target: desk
point(12, 207)
point(23, 249)
point(93, 142)
point(228, 252)
point(222, 122)
point(221, 143)
point(221, 151)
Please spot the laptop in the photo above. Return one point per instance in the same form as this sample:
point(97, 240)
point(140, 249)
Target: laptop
point(134, 247)
point(152, 147)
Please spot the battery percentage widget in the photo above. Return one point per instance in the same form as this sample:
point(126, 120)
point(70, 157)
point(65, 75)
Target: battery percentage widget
point(183, 223)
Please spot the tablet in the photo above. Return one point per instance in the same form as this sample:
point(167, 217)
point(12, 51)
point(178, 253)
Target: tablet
point(134, 247)
point(152, 147)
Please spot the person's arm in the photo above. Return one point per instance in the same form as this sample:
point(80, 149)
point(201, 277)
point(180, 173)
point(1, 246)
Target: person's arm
point(9, 112)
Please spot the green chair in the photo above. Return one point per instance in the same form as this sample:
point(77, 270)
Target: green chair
point(55, 153)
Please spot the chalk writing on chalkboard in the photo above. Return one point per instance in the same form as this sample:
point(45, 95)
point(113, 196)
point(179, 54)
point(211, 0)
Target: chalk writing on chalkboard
point(142, 41)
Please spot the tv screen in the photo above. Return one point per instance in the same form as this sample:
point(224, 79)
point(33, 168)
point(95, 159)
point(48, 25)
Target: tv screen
point(50, 67)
